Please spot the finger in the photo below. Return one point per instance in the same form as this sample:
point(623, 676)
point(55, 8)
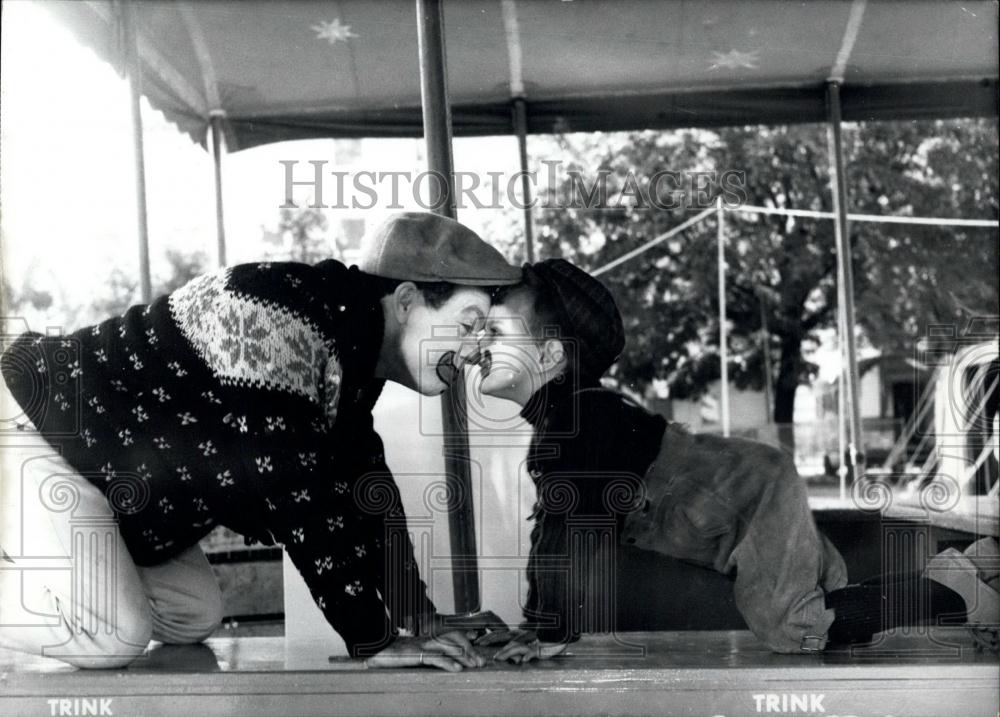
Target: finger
point(496, 623)
point(461, 640)
point(456, 638)
point(487, 620)
point(443, 662)
point(457, 646)
point(510, 650)
point(491, 621)
point(534, 652)
point(514, 653)
point(453, 651)
point(547, 651)
point(391, 661)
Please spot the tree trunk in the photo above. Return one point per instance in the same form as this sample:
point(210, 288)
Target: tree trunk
point(789, 368)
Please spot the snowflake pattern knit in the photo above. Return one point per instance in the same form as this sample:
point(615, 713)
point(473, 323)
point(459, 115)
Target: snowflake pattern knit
point(243, 399)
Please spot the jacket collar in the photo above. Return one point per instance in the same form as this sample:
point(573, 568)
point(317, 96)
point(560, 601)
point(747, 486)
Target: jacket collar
point(543, 402)
point(356, 306)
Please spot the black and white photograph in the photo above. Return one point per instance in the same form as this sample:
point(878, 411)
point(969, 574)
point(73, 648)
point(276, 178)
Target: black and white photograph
point(499, 357)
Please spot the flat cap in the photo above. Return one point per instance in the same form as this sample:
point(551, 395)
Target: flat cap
point(588, 309)
point(420, 246)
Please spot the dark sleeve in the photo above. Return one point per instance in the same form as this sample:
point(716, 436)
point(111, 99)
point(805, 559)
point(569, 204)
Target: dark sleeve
point(398, 573)
point(30, 370)
point(328, 544)
point(354, 551)
point(588, 470)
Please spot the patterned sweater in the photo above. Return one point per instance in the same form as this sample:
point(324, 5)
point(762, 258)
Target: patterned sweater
point(242, 399)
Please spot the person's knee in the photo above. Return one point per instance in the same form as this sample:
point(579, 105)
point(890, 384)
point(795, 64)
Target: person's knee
point(120, 658)
point(111, 647)
point(208, 620)
point(184, 598)
point(191, 622)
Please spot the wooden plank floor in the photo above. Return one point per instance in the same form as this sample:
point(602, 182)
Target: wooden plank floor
point(675, 673)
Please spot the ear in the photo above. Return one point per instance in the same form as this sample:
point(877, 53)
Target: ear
point(554, 359)
point(403, 300)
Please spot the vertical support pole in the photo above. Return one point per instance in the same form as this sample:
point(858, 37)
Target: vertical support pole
point(133, 76)
point(521, 130)
point(723, 339)
point(217, 149)
point(436, 105)
point(437, 134)
point(842, 419)
point(841, 390)
point(766, 350)
point(839, 191)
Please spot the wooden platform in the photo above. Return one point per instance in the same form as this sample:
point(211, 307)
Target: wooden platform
point(976, 515)
point(675, 673)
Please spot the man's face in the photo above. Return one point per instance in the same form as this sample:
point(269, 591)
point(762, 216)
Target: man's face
point(510, 360)
point(435, 343)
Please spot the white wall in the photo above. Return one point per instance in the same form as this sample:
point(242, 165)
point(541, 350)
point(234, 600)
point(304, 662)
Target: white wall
point(746, 409)
point(870, 393)
point(499, 439)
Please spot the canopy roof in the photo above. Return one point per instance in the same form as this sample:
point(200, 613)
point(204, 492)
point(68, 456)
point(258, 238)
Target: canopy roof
point(349, 68)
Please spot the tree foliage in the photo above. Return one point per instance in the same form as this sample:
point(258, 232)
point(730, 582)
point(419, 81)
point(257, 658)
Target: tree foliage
point(39, 299)
point(914, 276)
point(781, 271)
point(301, 234)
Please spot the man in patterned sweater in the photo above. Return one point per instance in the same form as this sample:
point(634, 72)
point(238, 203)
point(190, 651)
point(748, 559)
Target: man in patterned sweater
point(242, 399)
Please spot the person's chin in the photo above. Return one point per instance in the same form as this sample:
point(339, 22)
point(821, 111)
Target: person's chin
point(429, 387)
point(434, 390)
point(486, 389)
point(490, 386)
point(496, 386)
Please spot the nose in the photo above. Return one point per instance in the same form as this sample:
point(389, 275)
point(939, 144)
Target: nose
point(469, 354)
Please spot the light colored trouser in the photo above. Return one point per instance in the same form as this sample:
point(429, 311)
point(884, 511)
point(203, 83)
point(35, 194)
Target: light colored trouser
point(73, 591)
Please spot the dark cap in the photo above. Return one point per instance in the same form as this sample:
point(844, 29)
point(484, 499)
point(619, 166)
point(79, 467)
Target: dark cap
point(420, 246)
point(589, 310)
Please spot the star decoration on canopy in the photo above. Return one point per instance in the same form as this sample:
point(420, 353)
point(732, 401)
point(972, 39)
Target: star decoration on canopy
point(333, 32)
point(734, 59)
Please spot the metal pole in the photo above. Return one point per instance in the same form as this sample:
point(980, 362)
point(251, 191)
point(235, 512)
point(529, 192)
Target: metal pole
point(133, 77)
point(844, 382)
point(841, 398)
point(838, 189)
point(521, 130)
point(842, 411)
point(217, 149)
point(436, 105)
point(723, 348)
point(766, 349)
point(437, 134)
